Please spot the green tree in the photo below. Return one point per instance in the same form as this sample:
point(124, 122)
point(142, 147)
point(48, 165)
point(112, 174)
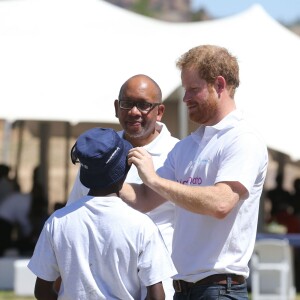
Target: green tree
point(142, 7)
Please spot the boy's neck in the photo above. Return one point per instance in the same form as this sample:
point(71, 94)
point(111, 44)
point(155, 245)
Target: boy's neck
point(103, 192)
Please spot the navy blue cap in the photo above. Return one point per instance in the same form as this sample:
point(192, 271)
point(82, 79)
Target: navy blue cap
point(102, 154)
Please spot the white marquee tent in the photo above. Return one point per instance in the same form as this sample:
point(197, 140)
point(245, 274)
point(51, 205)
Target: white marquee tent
point(64, 60)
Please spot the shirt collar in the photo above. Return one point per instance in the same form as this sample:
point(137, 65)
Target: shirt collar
point(154, 148)
point(228, 122)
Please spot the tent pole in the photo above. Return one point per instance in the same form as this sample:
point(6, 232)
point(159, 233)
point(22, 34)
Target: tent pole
point(67, 160)
point(44, 155)
point(182, 115)
point(19, 149)
point(6, 141)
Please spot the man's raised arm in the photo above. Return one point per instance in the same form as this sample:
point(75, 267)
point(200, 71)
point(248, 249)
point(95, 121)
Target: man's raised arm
point(140, 197)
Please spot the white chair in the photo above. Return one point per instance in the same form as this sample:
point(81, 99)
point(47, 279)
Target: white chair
point(272, 271)
point(24, 279)
point(7, 273)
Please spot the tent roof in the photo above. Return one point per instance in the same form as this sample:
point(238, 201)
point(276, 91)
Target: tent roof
point(66, 60)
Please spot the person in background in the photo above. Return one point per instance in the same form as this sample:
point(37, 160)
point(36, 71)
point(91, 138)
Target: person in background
point(295, 203)
point(295, 197)
point(99, 246)
point(283, 215)
point(279, 196)
point(215, 178)
point(26, 212)
point(140, 110)
point(7, 185)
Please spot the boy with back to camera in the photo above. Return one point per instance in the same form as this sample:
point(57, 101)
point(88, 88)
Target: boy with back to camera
point(99, 246)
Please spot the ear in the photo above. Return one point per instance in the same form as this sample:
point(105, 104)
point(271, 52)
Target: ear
point(220, 84)
point(116, 103)
point(160, 112)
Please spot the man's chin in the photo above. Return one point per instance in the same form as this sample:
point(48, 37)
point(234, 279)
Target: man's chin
point(194, 117)
point(134, 134)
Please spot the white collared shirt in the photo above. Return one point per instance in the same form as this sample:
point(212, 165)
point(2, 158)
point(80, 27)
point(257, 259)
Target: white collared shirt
point(229, 151)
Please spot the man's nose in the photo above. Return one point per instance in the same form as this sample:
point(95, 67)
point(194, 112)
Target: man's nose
point(134, 110)
point(186, 97)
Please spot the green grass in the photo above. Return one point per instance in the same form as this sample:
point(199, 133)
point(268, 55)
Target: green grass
point(9, 295)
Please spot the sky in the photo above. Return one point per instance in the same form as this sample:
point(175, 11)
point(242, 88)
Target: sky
point(284, 11)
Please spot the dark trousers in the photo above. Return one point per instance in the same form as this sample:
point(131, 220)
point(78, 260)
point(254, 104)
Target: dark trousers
point(213, 292)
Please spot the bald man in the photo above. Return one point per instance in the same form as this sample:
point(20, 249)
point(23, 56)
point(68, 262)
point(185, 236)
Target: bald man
point(140, 110)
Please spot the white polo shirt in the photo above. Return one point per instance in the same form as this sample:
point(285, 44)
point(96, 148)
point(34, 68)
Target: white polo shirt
point(229, 151)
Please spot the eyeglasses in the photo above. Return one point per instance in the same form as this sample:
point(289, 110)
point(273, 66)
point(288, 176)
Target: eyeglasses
point(143, 107)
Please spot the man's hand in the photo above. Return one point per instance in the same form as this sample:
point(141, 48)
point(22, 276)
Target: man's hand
point(141, 196)
point(144, 163)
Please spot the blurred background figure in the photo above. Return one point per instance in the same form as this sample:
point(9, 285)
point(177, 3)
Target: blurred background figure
point(295, 199)
point(7, 185)
point(22, 216)
point(279, 196)
point(283, 207)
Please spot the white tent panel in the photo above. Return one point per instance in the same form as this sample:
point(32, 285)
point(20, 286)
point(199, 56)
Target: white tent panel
point(66, 59)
